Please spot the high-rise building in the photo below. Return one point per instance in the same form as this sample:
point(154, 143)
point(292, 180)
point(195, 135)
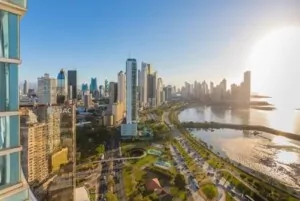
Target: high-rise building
point(144, 79)
point(101, 91)
point(113, 92)
point(93, 85)
point(13, 186)
point(34, 156)
point(247, 86)
point(62, 83)
point(131, 91)
point(130, 128)
point(47, 90)
point(159, 90)
point(84, 87)
point(25, 88)
point(72, 83)
point(121, 87)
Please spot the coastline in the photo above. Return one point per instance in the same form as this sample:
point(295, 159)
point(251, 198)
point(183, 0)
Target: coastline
point(206, 125)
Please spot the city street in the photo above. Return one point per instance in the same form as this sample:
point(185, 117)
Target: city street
point(117, 171)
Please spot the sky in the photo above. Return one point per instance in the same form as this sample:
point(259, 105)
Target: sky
point(183, 40)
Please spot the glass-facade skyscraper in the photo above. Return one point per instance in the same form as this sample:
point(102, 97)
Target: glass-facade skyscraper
point(13, 186)
point(93, 85)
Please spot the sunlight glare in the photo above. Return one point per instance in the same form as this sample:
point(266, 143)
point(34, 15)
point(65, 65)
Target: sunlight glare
point(275, 65)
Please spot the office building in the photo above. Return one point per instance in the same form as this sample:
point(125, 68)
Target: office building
point(144, 79)
point(121, 87)
point(159, 90)
point(130, 128)
point(62, 83)
point(113, 92)
point(47, 90)
point(13, 186)
point(84, 87)
point(72, 84)
point(131, 91)
point(93, 85)
point(247, 87)
point(25, 88)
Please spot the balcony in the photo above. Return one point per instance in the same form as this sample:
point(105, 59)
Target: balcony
point(14, 6)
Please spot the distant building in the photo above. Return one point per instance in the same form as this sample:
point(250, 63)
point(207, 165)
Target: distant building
point(247, 86)
point(93, 85)
point(62, 83)
point(121, 87)
point(72, 83)
point(25, 88)
point(47, 90)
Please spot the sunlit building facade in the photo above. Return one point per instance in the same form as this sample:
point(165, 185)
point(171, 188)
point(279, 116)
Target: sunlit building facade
point(13, 186)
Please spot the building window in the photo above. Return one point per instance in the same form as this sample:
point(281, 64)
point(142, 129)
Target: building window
point(9, 100)
point(9, 35)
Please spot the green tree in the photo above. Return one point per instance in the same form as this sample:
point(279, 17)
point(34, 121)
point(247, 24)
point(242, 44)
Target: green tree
point(100, 149)
point(111, 197)
point(180, 181)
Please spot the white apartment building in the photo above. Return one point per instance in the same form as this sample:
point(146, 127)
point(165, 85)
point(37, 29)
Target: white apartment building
point(47, 90)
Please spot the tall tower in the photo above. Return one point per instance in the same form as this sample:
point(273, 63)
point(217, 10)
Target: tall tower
point(25, 88)
point(13, 186)
point(131, 91)
point(62, 86)
point(121, 87)
point(72, 84)
point(247, 86)
point(144, 83)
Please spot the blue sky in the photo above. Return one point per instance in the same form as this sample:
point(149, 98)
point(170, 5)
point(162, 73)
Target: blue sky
point(184, 40)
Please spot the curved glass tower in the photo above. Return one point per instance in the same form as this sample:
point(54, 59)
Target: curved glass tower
point(13, 186)
point(61, 86)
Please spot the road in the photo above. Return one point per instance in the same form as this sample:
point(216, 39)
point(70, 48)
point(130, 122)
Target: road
point(166, 119)
point(199, 161)
point(117, 170)
point(184, 171)
point(104, 172)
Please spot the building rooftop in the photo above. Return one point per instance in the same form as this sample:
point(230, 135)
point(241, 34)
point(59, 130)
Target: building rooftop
point(81, 194)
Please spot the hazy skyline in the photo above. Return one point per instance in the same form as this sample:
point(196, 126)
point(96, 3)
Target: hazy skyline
point(185, 41)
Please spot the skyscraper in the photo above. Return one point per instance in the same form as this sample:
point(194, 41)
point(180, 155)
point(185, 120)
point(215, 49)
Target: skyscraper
point(121, 87)
point(113, 92)
point(47, 90)
point(13, 186)
point(129, 129)
point(247, 86)
point(144, 83)
point(62, 83)
point(25, 88)
point(93, 85)
point(72, 83)
point(131, 91)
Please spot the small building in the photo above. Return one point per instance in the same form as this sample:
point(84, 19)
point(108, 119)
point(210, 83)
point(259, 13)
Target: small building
point(153, 185)
point(81, 194)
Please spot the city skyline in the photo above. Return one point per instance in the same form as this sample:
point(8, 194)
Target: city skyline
point(196, 50)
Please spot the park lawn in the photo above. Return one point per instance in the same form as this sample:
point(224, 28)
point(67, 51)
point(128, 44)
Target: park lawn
point(175, 192)
point(210, 191)
point(134, 172)
point(229, 197)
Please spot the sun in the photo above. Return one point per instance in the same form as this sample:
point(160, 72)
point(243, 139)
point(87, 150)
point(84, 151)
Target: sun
point(275, 65)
